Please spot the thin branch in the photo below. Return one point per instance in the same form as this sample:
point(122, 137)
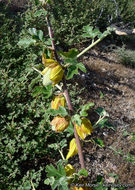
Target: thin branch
point(61, 153)
point(122, 30)
point(37, 70)
point(89, 47)
point(33, 188)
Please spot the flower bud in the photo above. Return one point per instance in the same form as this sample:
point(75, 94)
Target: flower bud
point(57, 102)
point(59, 124)
point(56, 74)
point(85, 128)
point(52, 74)
point(69, 170)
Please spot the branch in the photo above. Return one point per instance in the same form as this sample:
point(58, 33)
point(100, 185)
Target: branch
point(121, 31)
point(67, 97)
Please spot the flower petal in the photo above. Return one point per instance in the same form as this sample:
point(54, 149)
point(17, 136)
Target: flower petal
point(69, 170)
point(85, 128)
point(48, 62)
point(46, 73)
point(56, 74)
point(57, 102)
point(72, 149)
point(80, 132)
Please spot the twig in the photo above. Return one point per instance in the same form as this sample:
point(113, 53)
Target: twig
point(33, 188)
point(89, 47)
point(37, 70)
point(61, 153)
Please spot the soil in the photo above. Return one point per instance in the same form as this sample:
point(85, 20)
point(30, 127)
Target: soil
point(116, 83)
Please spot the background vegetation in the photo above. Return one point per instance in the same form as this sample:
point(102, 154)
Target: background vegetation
point(25, 132)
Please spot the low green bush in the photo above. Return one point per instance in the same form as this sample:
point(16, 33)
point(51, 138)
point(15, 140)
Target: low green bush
point(126, 56)
point(25, 131)
point(69, 17)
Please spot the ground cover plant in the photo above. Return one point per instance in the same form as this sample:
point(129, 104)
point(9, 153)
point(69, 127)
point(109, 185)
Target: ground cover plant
point(126, 57)
point(25, 128)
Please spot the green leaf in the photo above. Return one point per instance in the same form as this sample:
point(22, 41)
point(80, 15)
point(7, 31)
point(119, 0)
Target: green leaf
point(88, 29)
point(90, 32)
point(99, 142)
point(72, 70)
point(105, 33)
point(46, 91)
point(55, 146)
point(26, 42)
point(101, 112)
point(72, 61)
point(40, 35)
point(77, 119)
point(63, 143)
point(52, 171)
point(72, 53)
point(85, 108)
point(70, 129)
point(63, 183)
point(83, 172)
point(40, 12)
point(101, 95)
point(33, 31)
point(36, 34)
point(86, 35)
point(37, 91)
point(48, 42)
point(81, 67)
point(47, 181)
point(36, 2)
point(102, 122)
point(109, 125)
point(60, 184)
point(96, 32)
point(56, 173)
point(61, 111)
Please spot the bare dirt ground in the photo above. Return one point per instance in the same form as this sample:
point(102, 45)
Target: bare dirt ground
point(117, 83)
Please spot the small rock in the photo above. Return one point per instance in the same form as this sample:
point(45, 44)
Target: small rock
point(88, 159)
point(110, 180)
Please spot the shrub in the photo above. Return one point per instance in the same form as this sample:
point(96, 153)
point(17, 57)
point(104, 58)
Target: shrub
point(23, 123)
point(126, 56)
point(69, 17)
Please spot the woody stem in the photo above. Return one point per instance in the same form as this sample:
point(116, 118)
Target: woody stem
point(68, 100)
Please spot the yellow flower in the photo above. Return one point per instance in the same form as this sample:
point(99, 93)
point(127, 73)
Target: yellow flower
point(48, 62)
point(85, 128)
point(59, 124)
point(52, 74)
point(57, 102)
point(69, 170)
point(56, 74)
point(72, 149)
